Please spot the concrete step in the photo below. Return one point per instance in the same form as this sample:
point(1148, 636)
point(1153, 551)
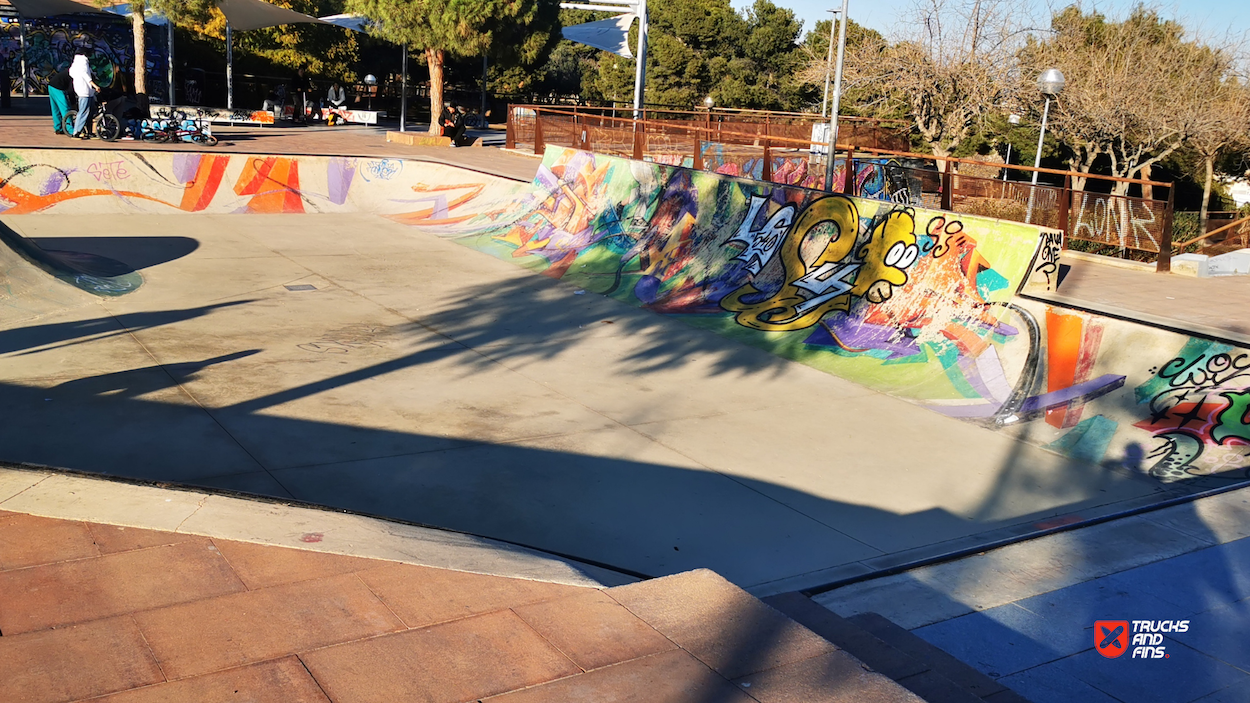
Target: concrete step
point(760, 650)
point(914, 664)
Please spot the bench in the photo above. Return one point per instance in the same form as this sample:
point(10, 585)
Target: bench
point(214, 114)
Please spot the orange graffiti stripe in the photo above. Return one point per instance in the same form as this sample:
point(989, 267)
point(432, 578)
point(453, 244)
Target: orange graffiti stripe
point(25, 202)
point(273, 183)
point(1063, 351)
point(200, 191)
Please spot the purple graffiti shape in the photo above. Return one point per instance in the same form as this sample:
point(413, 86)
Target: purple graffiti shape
point(185, 167)
point(339, 175)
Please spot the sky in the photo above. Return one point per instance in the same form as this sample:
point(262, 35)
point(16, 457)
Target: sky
point(1207, 18)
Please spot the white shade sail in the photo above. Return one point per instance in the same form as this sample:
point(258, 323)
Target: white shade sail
point(50, 8)
point(254, 14)
point(356, 23)
point(149, 17)
point(610, 35)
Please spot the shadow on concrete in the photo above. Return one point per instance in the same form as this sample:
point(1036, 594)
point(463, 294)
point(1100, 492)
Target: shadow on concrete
point(133, 253)
point(585, 493)
point(1025, 615)
point(36, 338)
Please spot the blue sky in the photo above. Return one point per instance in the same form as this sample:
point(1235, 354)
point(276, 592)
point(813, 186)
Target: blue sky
point(1212, 18)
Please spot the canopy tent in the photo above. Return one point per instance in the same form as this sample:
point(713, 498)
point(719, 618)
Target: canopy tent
point(253, 14)
point(610, 35)
point(356, 23)
point(50, 8)
point(613, 35)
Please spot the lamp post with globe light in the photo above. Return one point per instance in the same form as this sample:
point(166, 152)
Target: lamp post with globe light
point(371, 81)
point(1050, 83)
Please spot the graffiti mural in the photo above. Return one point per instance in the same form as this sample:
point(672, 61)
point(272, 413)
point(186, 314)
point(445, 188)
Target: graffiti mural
point(50, 47)
point(917, 303)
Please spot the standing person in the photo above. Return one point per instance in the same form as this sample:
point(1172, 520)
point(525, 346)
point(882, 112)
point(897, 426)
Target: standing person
point(85, 88)
point(301, 86)
point(59, 87)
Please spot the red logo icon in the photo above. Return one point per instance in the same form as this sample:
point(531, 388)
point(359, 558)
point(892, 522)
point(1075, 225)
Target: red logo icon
point(1111, 637)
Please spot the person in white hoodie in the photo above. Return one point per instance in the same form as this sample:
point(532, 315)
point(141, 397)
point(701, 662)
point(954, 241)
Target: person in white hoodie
point(85, 88)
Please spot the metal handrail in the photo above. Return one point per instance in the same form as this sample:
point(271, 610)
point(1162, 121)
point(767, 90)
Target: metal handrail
point(841, 147)
point(1212, 233)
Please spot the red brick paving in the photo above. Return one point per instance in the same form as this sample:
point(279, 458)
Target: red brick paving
point(142, 616)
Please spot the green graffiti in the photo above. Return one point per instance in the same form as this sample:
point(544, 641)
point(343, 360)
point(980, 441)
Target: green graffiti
point(1233, 421)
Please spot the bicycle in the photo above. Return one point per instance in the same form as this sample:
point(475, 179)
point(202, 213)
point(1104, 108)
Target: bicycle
point(105, 125)
point(175, 129)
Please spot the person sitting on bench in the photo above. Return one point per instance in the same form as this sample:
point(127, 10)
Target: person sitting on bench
point(452, 121)
point(336, 97)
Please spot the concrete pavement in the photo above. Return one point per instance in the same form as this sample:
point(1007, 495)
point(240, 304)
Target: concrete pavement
point(1025, 614)
point(421, 380)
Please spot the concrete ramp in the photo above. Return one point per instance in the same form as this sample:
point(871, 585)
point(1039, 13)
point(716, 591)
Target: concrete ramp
point(916, 303)
point(363, 359)
point(35, 281)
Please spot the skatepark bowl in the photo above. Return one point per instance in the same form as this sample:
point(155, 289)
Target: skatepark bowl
point(625, 363)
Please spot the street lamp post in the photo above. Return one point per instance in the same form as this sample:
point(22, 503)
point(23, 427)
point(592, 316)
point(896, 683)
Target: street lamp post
point(1013, 119)
point(837, 102)
point(1050, 83)
point(824, 104)
point(371, 81)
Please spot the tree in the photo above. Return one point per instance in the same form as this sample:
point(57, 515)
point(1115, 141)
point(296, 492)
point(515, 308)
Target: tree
point(955, 69)
point(815, 50)
point(1135, 89)
point(173, 10)
point(1222, 127)
point(694, 49)
point(523, 30)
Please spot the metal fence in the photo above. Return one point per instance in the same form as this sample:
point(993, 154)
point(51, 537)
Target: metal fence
point(793, 150)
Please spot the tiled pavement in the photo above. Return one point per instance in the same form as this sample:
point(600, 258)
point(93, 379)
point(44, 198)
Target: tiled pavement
point(1024, 615)
point(90, 611)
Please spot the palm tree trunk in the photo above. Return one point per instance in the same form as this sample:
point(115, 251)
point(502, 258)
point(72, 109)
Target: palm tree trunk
point(141, 49)
point(435, 58)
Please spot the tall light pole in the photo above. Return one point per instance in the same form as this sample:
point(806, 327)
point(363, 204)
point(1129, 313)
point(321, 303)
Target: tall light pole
point(1050, 83)
point(640, 65)
point(824, 103)
point(837, 102)
point(1013, 119)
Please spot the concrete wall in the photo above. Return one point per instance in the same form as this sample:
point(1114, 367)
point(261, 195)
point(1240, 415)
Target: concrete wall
point(916, 303)
point(95, 181)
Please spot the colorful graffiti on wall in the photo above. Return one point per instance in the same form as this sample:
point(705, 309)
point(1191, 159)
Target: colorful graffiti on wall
point(50, 47)
point(917, 303)
point(913, 302)
point(876, 179)
point(36, 181)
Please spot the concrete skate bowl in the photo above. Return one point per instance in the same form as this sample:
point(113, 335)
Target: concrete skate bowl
point(916, 304)
point(919, 304)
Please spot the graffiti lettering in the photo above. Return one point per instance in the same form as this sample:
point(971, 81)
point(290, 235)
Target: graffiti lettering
point(382, 169)
point(110, 171)
point(1234, 421)
point(811, 292)
point(1116, 220)
point(761, 244)
point(1046, 263)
